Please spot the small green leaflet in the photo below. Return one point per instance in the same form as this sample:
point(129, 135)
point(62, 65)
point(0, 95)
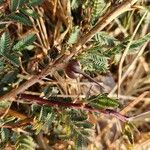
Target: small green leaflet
point(29, 12)
point(16, 4)
point(26, 41)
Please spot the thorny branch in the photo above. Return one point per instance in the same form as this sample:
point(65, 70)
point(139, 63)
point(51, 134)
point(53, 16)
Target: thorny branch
point(59, 63)
point(86, 107)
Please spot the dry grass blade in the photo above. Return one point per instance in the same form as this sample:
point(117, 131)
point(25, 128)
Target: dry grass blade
point(132, 104)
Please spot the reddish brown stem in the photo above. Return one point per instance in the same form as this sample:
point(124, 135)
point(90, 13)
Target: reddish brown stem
point(86, 107)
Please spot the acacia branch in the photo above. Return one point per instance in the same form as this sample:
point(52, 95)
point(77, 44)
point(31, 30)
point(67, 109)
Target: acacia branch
point(102, 23)
point(81, 106)
point(59, 63)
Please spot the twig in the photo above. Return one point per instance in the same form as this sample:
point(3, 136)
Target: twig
point(141, 117)
point(21, 123)
point(132, 104)
point(59, 63)
point(86, 107)
point(12, 113)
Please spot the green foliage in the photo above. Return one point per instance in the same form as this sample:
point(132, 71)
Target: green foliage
point(73, 36)
point(133, 47)
point(1, 1)
point(9, 77)
point(137, 43)
point(5, 42)
point(29, 12)
point(102, 101)
point(81, 129)
point(21, 18)
point(21, 10)
point(81, 142)
point(98, 8)
point(35, 2)
point(5, 45)
point(104, 38)
point(26, 41)
point(6, 120)
point(4, 136)
point(25, 142)
point(16, 4)
point(44, 120)
point(94, 62)
point(95, 59)
point(75, 4)
point(4, 105)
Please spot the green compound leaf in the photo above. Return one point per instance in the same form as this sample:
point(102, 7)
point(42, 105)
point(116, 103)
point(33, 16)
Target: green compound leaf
point(98, 8)
point(81, 128)
point(134, 45)
point(26, 41)
point(25, 142)
point(137, 43)
point(4, 135)
point(45, 120)
point(81, 142)
point(4, 42)
point(102, 101)
point(103, 38)
point(5, 45)
point(13, 59)
point(94, 62)
point(20, 18)
point(74, 36)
